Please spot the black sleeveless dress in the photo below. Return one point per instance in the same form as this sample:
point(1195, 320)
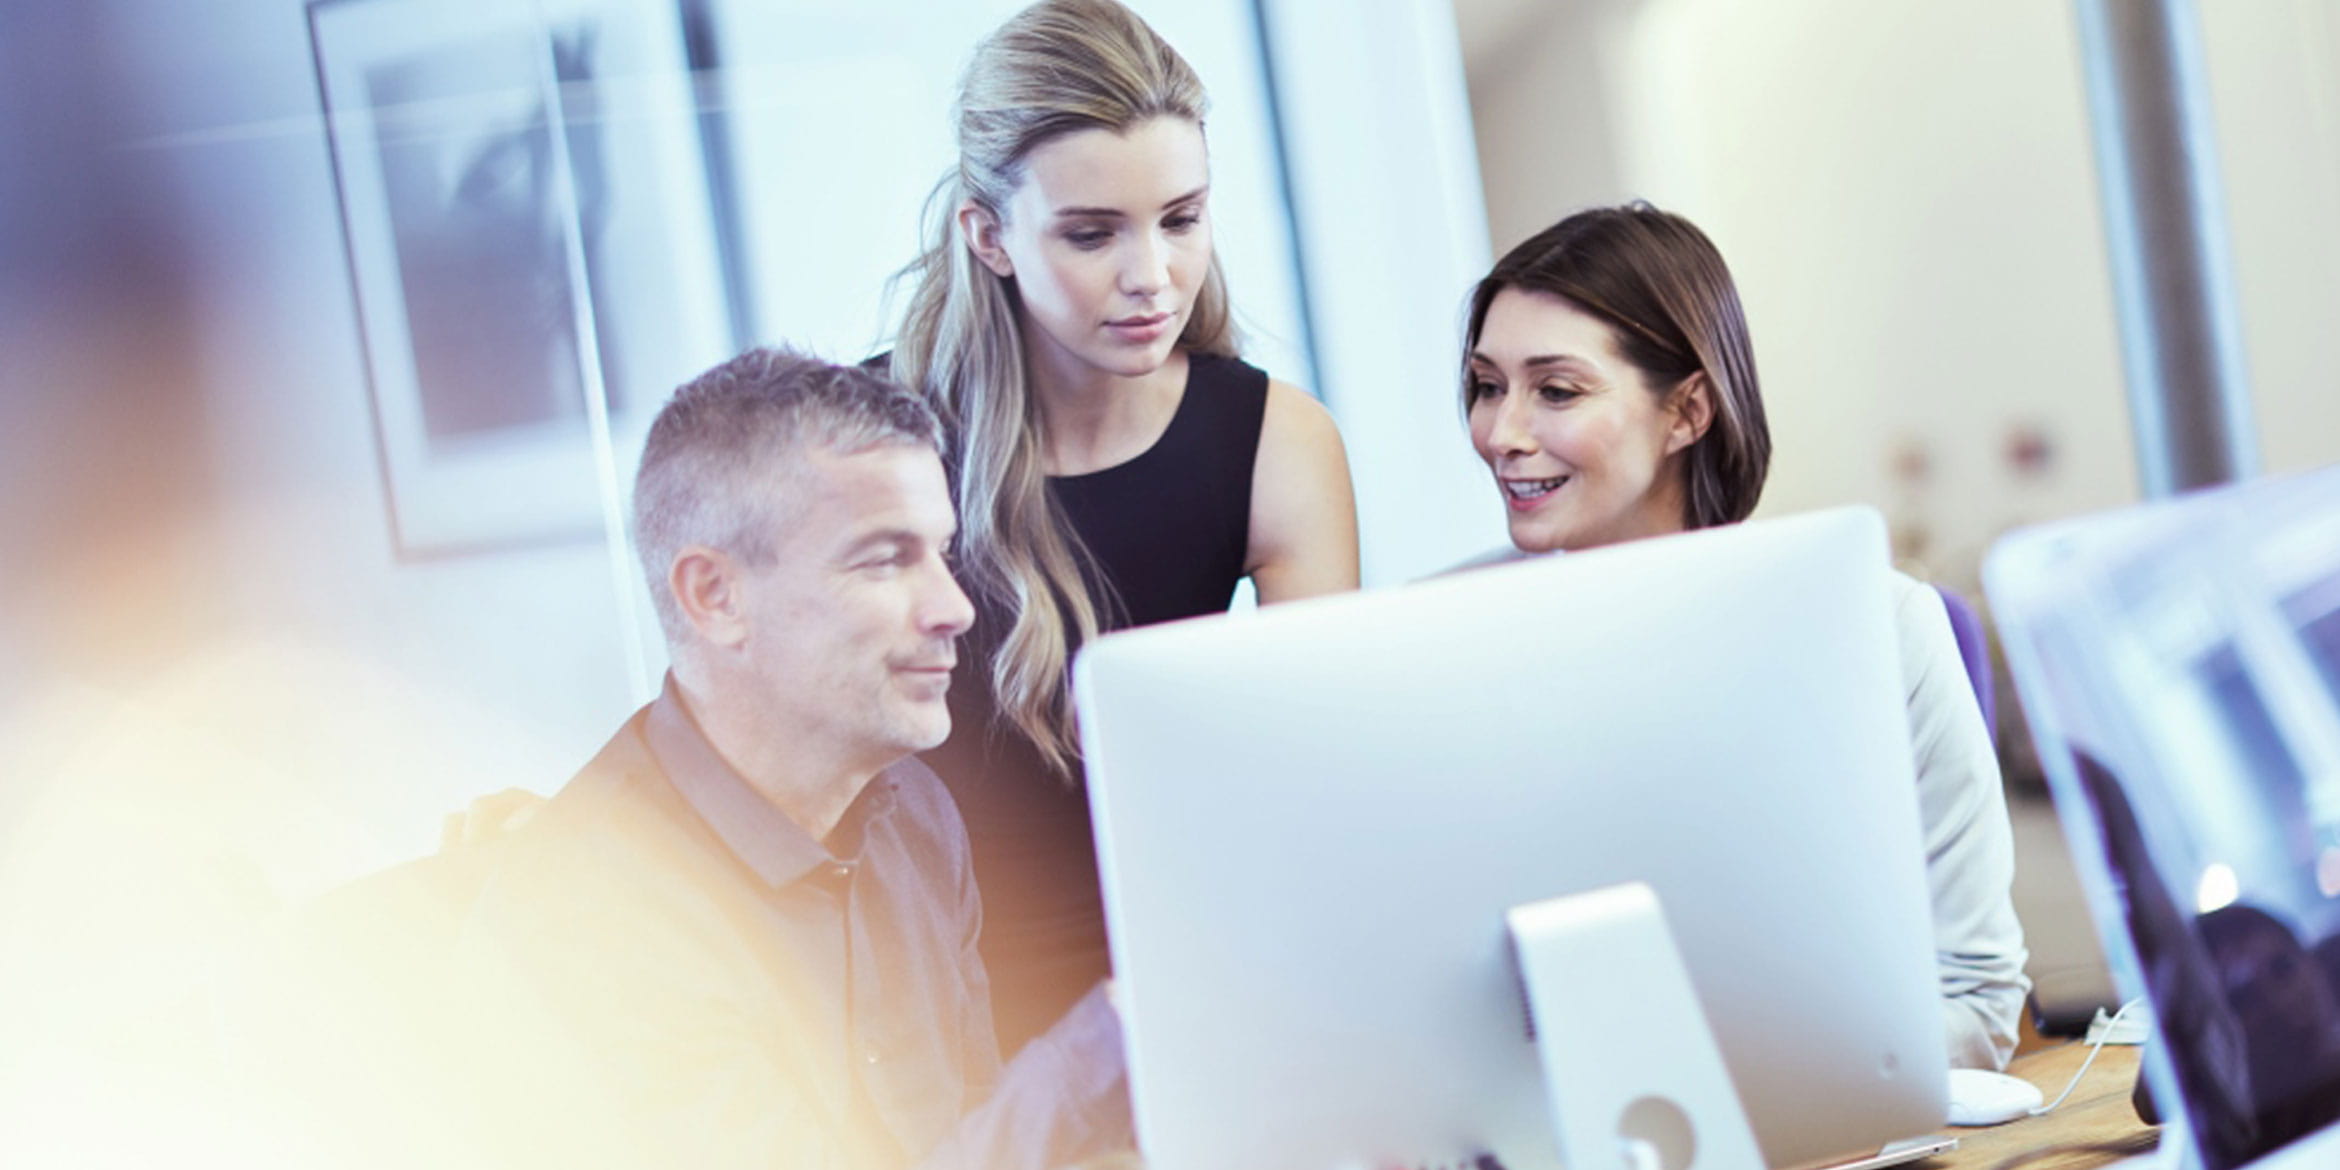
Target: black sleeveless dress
point(1166, 535)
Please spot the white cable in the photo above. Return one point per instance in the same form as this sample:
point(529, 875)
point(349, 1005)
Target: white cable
point(2102, 1035)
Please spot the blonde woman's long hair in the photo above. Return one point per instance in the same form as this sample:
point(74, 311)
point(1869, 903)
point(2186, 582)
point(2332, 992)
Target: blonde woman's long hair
point(1057, 67)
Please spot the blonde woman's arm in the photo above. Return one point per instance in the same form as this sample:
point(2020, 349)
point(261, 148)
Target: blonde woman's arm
point(1303, 509)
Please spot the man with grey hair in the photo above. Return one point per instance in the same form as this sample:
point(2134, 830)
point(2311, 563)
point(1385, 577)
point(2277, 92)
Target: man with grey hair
point(745, 933)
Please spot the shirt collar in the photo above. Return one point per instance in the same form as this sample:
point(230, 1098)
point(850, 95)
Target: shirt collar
point(753, 828)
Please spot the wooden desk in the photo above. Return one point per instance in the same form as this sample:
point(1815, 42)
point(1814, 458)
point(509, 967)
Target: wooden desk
point(2097, 1111)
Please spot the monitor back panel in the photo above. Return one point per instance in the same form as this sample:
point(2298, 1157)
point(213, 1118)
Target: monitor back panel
point(1311, 819)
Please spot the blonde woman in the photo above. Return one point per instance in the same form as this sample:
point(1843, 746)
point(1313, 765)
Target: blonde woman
point(1116, 462)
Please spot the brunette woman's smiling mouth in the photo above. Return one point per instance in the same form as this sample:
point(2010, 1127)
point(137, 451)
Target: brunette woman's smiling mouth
point(1523, 493)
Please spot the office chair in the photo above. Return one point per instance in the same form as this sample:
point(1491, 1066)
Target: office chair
point(1975, 653)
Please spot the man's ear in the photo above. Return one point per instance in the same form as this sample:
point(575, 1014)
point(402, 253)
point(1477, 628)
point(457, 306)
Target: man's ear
point(1692, 405)
point(706, 585)
point(980, 229)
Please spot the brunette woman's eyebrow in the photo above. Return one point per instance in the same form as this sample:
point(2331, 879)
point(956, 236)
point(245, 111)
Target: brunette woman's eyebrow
point(1536, 364)
point(1545, 360)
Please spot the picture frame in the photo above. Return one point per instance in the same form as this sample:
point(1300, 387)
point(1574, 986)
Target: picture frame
point(532, 252)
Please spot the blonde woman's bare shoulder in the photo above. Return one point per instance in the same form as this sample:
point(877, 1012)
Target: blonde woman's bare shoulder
point(1303, 507)
point(1297, 413)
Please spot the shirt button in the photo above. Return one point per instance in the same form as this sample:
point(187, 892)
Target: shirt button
point(869, 1055)
point(840, 870)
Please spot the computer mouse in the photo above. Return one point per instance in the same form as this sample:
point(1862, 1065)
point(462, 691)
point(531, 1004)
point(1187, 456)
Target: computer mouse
point(1990, 1098)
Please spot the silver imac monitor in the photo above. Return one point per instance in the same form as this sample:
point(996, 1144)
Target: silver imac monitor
point(2179, 663)
point(1312, 818)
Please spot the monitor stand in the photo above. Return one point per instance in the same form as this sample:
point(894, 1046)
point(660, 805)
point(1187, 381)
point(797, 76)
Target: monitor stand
point(1631, 1070)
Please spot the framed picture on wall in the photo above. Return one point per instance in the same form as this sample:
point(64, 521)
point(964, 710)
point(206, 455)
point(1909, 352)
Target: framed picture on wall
point(524, 201)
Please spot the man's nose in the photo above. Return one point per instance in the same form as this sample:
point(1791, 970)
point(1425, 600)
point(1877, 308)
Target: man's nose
point(947, 611)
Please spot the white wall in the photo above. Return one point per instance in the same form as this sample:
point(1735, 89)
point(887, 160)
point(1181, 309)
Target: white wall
point(223, 691)
point(1541, 80)
point(227, 693)
point(1387, 198)
point(2275, 93)
point(469, 673)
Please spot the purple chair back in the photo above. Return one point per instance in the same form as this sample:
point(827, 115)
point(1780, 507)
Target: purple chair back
point(1975, 653)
